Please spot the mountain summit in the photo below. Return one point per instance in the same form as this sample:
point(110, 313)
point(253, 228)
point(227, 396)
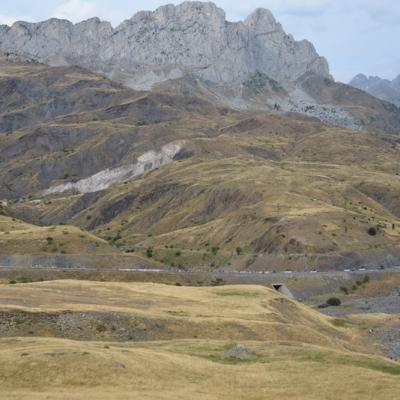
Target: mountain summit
point(191, 49)
point(384, 89)
point(165, 43)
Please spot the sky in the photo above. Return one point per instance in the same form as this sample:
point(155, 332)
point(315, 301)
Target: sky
point(356, 36)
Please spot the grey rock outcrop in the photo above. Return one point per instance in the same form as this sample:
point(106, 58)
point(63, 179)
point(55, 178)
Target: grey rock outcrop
point(191, 49)
point(154, 46)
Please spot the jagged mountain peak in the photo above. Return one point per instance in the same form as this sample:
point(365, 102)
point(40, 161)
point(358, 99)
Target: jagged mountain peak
point(194, 35)
point(384, 89)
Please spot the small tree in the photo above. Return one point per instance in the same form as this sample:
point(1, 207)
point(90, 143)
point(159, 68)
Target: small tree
point(214, 250)
point(333, 302)
point(149, 252)
point(372, 231)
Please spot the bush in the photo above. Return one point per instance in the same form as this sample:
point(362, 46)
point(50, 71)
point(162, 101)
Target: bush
point(218, 282)
point(372, 231)
point(366, 279)
point(178, 253)
point(214, 250)
point(344, 290)
point(333, 302)
point(239, 251)
point(149, 252)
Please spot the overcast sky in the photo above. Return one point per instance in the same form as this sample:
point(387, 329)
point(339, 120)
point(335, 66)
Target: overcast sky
point(354, 35)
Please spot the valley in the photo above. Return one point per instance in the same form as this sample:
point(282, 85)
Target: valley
point(192, 207)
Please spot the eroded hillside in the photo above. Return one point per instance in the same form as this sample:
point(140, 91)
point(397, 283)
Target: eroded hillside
point(187, 183)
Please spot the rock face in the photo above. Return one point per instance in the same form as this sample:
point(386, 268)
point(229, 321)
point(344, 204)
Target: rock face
point(104, 179)
point(384, 89)
point(192, 50)
point(239, 352)
point(154, 46)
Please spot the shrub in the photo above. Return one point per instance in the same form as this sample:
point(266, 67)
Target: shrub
point(149, 252)
point(372, 231)
point(178, 253)
point(217, 282)
point(214, 250)
point(101, 328)
point(366, 279)
point(333, 302)
point(239, 251)
point(49, 240)
point(344, 290)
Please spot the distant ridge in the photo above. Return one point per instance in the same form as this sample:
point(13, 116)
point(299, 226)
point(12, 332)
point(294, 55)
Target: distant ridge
point(384, 89)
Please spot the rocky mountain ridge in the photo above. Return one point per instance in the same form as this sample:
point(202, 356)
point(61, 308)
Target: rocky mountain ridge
point(192, 50)
point(384, 89)
point(162, 44)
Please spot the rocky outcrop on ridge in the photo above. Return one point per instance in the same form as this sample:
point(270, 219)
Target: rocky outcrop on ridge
point(162, 44)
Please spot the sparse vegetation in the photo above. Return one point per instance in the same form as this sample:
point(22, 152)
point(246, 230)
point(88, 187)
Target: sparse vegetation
point(344, 290)
point(214, 250)
point(149, 252)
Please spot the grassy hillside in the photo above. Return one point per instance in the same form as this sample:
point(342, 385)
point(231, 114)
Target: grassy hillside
point(290, 350)
point(17, 237)
point(26, 245)
point(270, 193)
point(247, 191)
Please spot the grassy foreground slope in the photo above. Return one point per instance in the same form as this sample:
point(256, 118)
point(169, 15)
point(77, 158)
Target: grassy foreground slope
point(294, 352)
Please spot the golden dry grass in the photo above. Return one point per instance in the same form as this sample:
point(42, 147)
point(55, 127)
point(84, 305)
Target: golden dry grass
point(241, 312)
point(63, 369)
point(17, 237)
point(284, 365)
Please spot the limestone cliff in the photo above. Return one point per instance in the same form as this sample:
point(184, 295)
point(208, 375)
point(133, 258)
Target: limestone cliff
point(154, 46)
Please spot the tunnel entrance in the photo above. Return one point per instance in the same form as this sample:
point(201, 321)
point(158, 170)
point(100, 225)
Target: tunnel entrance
point(282, 288)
